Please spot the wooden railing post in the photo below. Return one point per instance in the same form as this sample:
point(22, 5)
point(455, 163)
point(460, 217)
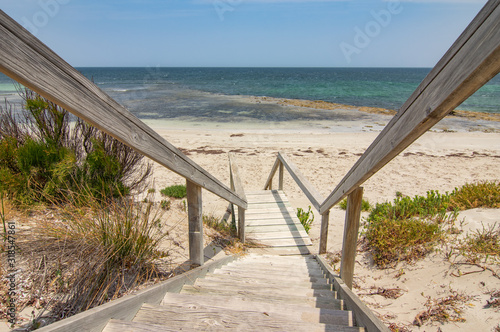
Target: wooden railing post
point(241, 224)
point(351, 227)
point(323, 240)
point(195, 216)
point(281, 173)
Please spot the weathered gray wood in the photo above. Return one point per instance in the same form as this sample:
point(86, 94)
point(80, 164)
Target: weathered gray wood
point(278, 235)
point(93, 320)
point(242, 280)
point(28, 61)
point(308, 189)
point(195, 216)
point(116, 325)
point(264, 289)
point(291, 312)
point(271, 272)
point(326, 303)
point(237, 186)
point(350, 243)
point(470, 63)
point(281, 175)
point(241, 224)
point(269, 182)
point(198, 318)
point(275, 276)
point(295, 242)
point(323, 240)
point(363, 316)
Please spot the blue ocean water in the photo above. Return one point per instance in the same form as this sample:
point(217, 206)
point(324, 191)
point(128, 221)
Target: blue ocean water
point(206, 93)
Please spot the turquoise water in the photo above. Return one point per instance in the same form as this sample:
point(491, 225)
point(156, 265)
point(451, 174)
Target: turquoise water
point(204, 92)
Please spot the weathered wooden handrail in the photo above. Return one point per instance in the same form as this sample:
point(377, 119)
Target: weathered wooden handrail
point(469, 64)
point(237, 186)
point(27, 60)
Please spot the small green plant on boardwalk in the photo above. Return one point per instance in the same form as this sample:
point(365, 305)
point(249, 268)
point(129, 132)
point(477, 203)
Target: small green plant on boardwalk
point(408, 228)
point(365, 205)
point(175, 191)
point(306, 218)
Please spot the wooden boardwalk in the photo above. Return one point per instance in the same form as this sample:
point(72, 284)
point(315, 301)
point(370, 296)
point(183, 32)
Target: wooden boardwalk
point(272, 223)
point(254, 293)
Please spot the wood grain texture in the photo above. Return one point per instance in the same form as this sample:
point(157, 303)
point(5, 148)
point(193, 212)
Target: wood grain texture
point(350, 242)
point(269, 182)
point(469, 64)
point(28, 61)
point(195, 217)
point(363, 316)
point(290, 312)
point(323, 239)
point(196, 318)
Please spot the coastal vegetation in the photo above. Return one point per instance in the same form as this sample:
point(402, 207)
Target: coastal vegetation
point(407, 229)
point(175, 191)
point(306, 218)
point(43, 156)
point(67, 189)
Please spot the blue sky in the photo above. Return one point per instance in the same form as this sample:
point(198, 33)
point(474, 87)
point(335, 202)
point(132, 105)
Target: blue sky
point(263, 33)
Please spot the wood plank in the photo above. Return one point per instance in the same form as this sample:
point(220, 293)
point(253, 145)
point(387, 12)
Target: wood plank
point(261, 281)
point(265, 289)
point(363, 316)
point(28, 61)
point(256, 229)
point(269, 182)
point(296, 267)
point(116, 325)
point(470, 63)
point(195, 218)
point(323, 240)
point(275, 276)
point(291, 312)
point(198, 318)
point(327, 303)
point(308, 189)
point(93, 320)
point(282, 251)
point(350, 243)
point(286, 242)
point(270, 273)
point(278, 235)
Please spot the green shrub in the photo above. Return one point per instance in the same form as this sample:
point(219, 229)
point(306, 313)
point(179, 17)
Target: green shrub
point(365, 205)
point(42, 158)
point(305, 218)
point(175, 191)
point(408, 228)
point(474, 195)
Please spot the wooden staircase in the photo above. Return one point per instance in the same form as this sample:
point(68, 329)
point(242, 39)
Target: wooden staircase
point(254, 293)
point(272, 224)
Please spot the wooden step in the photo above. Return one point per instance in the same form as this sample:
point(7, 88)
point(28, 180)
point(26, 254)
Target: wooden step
point(196, 319)
point(323, 284)
point(266, 278)
point(277, 266)
point(319, 302)
point(200, 317)
point(296, 290)
point(292, 312)
point(269, 273)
